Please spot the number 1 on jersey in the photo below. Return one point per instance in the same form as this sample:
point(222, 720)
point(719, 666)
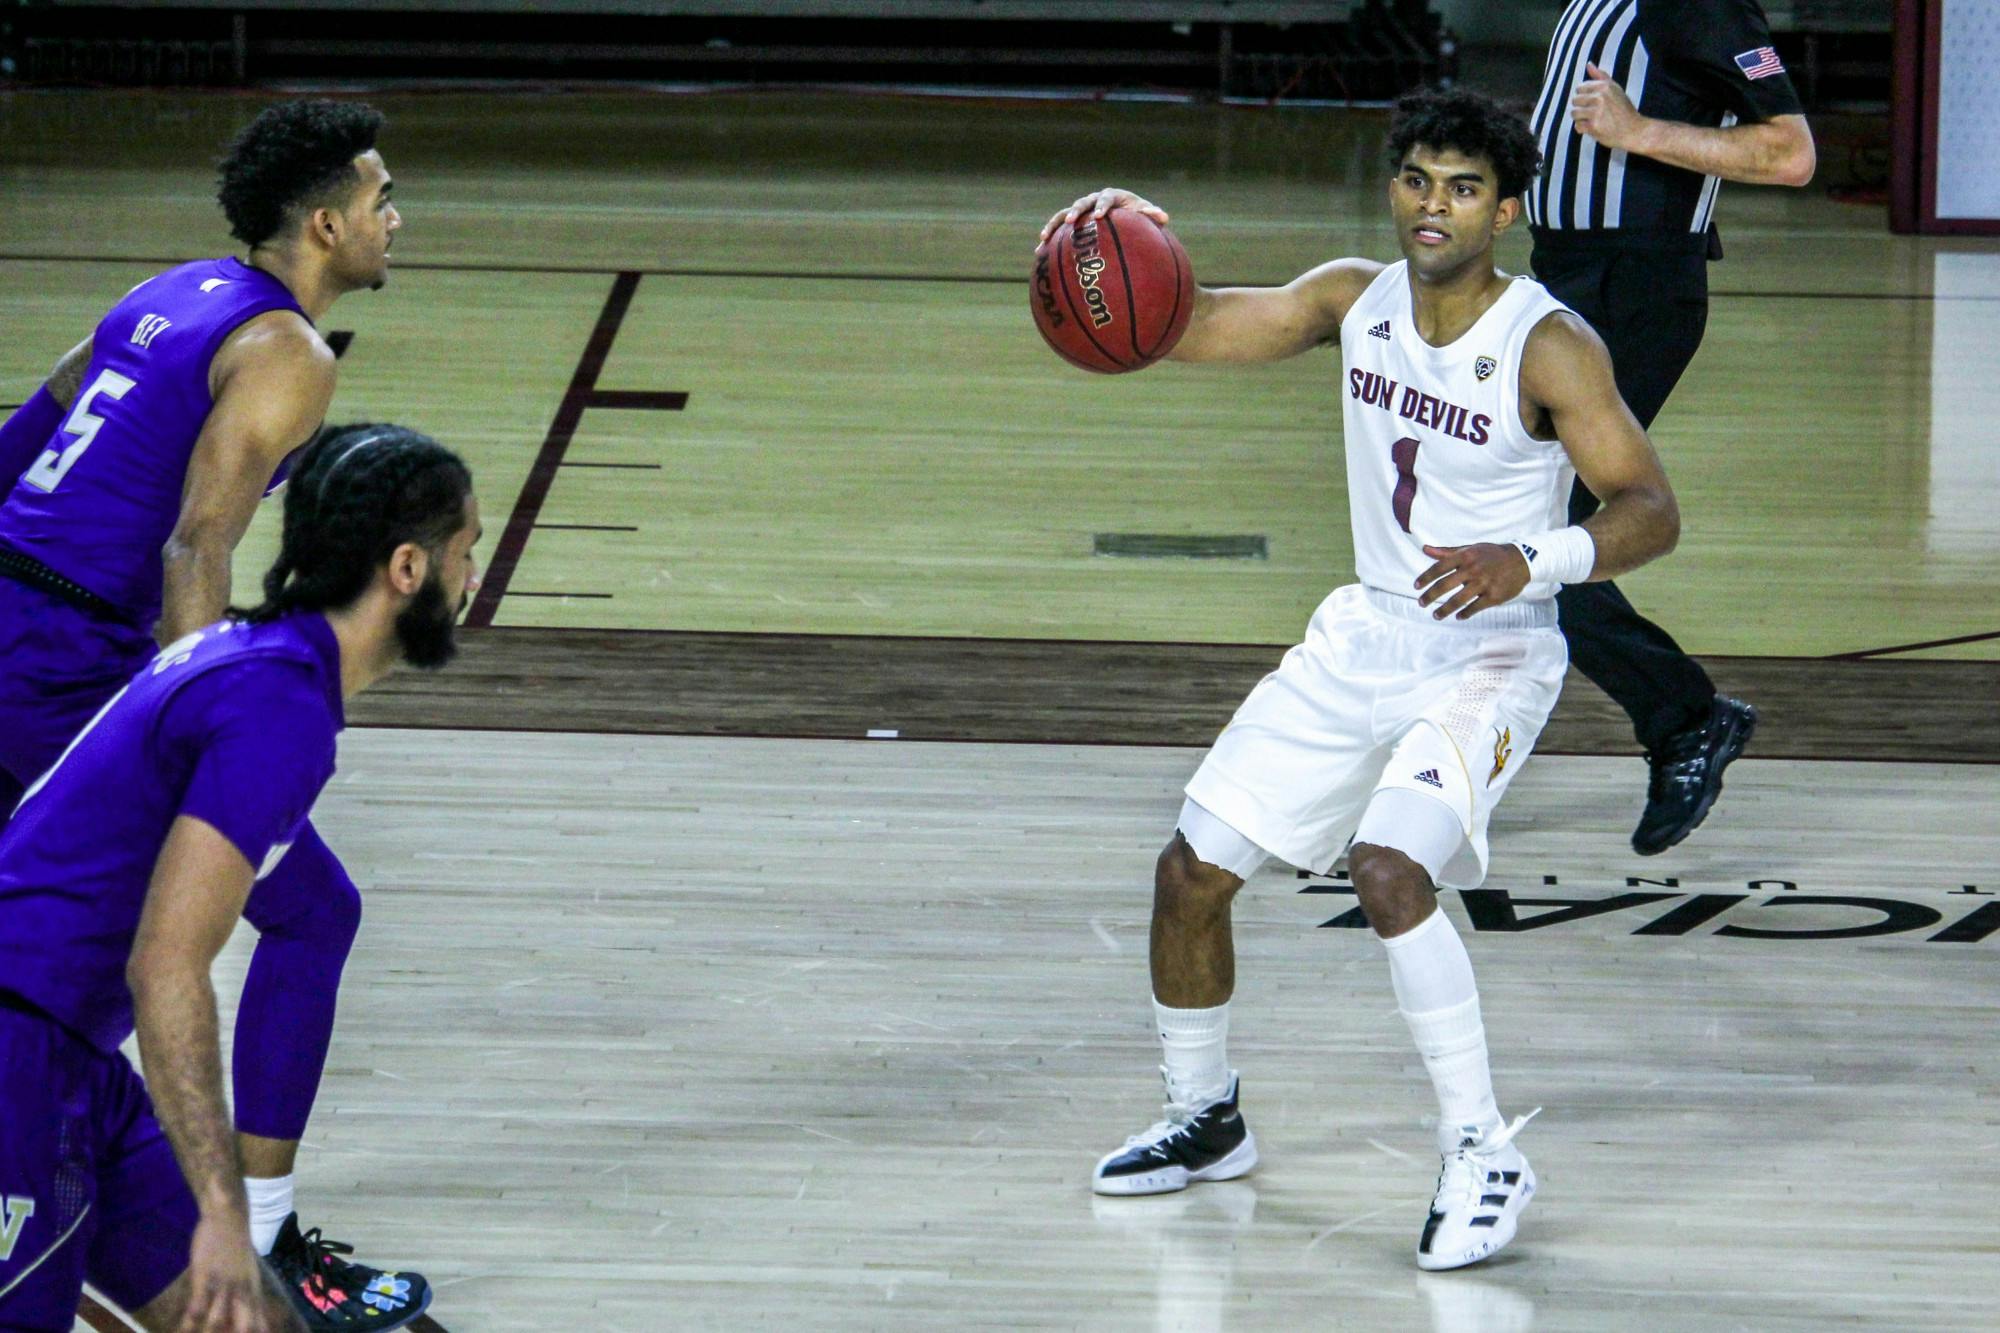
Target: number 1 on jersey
point(47, 471)
point(1404, 452)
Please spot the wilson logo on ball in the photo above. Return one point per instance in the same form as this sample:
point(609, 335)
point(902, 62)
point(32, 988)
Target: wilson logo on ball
point(1089, 265)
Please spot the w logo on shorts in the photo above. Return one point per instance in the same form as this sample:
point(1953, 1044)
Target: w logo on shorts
point(19, 1208)
point(1430, 775)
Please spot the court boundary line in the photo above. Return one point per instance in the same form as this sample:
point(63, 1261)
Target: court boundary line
point(1868, 654)
point(558, 270)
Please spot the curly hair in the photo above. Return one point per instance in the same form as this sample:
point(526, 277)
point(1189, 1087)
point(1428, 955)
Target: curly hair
point(293, 154)
point(357, 493)
point(1470, 123)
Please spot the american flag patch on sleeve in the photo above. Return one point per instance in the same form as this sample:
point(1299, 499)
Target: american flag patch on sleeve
point(1760, 63)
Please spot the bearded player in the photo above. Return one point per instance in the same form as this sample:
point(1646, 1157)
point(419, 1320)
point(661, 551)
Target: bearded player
point(125, 868)
point(129, 478)
point(1471, 399)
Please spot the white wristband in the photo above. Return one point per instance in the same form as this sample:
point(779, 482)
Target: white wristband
point(1566, 555)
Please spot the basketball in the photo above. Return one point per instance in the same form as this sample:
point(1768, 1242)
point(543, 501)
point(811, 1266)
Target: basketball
point(1112, 294)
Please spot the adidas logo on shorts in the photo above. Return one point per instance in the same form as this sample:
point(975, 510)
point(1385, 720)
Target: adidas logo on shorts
point(1380, 331)
point(1430, 775)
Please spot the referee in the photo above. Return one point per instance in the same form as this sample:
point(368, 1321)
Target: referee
point(1646, 107)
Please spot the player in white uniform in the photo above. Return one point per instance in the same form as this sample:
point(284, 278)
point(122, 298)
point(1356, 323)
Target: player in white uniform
point(1471, 399)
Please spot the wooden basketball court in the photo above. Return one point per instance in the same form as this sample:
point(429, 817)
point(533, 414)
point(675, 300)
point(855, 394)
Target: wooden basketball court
point(683, 1003)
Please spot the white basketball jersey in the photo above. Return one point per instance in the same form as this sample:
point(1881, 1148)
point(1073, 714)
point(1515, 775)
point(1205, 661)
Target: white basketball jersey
point(1436, 453)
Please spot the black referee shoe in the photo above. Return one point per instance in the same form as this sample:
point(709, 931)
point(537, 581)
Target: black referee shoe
point(1687, 775)
point(1193, 1143)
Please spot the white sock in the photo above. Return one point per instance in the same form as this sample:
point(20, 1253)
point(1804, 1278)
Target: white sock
point(1197, 1062)
point(1435, 991)
point(270, 1205)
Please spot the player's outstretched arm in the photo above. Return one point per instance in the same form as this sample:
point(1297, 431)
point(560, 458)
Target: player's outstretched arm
point(274, 379)
point(1245, 324)
point(1273, 323)
point(198, 889)
point(1566, 373)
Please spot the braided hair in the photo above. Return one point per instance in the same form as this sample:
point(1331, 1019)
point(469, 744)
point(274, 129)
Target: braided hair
point(357, 493)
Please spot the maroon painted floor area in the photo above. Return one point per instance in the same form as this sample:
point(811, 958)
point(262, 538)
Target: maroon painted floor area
point(1062, 692)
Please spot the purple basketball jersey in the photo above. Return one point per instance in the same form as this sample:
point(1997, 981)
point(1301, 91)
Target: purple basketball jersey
point(103, 497)
point(235, 726)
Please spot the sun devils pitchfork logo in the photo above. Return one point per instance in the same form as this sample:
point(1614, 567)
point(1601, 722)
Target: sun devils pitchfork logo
point(1503, 750)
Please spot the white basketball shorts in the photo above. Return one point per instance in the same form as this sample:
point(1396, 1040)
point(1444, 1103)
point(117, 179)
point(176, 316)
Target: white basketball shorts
point(1382, 695)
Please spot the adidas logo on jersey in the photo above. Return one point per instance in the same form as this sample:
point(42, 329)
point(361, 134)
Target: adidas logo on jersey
point(1430, 775)
point(151, 327)
point(1380, 331)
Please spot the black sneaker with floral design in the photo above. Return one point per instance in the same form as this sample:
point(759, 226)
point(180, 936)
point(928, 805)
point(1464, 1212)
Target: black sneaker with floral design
point(331, 1292)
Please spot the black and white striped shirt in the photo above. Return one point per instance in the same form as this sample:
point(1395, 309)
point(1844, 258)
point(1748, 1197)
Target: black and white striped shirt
point(1699, 62)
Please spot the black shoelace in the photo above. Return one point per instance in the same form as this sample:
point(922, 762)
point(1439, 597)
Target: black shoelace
point(318, 1250)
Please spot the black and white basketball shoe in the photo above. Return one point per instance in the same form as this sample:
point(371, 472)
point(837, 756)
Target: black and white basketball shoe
point(1482, 1189)
point(1208, 1142)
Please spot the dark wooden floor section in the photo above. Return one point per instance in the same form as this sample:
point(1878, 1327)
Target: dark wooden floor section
point(1092, 693)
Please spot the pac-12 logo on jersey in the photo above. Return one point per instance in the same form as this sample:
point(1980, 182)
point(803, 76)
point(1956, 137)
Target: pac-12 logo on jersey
point(19, 1208)
point(1484, 367)
point(151, 327)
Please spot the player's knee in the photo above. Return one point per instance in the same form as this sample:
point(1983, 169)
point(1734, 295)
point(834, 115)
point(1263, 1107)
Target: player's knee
point(1395, 892)
point(341, 913)
point(308, 901)
point(333, 919)
point(1181, 874)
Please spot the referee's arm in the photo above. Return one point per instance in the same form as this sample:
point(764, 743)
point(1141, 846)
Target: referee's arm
point(1778, 151)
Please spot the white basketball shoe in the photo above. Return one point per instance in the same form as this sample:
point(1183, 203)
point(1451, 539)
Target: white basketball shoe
point(1482, 1189)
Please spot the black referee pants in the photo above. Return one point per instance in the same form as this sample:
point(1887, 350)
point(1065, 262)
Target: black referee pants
point(1650, 307)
